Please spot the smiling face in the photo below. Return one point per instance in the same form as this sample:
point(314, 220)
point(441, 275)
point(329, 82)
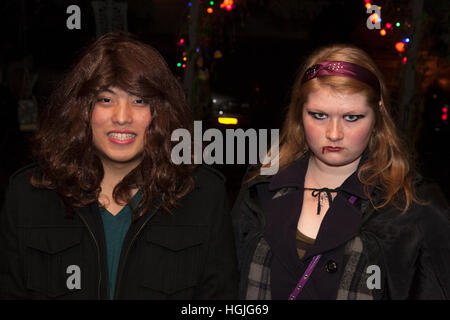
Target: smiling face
point(337, 126)
point(119, 121)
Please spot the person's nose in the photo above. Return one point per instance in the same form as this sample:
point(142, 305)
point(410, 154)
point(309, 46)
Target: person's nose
point(334, 130)
point(122, 113)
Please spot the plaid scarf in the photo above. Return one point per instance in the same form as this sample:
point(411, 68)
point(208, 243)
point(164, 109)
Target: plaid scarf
point(352, 285)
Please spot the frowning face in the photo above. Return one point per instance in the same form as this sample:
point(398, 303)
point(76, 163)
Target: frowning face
point(119, 121)
point(337, 126)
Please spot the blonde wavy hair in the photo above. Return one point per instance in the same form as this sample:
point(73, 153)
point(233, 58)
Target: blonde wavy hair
point(389, 166)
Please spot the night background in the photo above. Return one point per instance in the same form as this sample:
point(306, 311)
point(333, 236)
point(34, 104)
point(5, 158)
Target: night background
point(234, 58)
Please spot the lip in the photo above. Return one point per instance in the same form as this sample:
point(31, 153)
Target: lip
point(122, 131)
point(333, 149)
point(122, 142)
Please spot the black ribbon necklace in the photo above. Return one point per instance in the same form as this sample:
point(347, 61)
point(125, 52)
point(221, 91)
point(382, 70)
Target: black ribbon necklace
point(318, 193)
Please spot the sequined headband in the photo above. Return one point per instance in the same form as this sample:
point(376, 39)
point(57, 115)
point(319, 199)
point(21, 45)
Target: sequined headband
point(343, 69)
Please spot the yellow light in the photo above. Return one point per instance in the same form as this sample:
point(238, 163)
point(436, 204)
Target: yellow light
point(383, 32)
point(210, 10)
point(184, 58)
point(226, 120)
point(368, 5)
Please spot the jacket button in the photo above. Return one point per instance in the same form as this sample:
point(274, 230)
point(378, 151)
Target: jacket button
point(331, 266)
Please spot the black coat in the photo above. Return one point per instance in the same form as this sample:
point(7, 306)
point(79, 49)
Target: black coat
point(187, 255)
point(412, 250)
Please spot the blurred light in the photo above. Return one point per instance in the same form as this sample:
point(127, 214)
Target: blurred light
point(189, 4)
point(184, 53)
point(220, 112)
point(375, 18)
point(179, 64)
point(444, 115)
point(383, 32)
point(211, 3)
point(397, 24)
point(197, 49)
point(404, 60)
point(210, 10)
point(184, 65)
point(406, 40)
point(367, 1)
point(226, 120)
point(388, 25)
point(180, 42)
point(184, 58)
point(400, 46)
point(368, 5)
point(227, 5)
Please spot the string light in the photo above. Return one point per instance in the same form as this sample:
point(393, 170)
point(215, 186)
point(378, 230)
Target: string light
point(397, 24)
point(388, 25)
point(400, 46)
point(404, 60)
point(406, 40)
point(210, 10)
point(383, 32)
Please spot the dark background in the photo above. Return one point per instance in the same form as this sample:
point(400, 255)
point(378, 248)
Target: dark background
point(262, 43)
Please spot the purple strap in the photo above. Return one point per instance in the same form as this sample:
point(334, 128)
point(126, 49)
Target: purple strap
point(305, 277)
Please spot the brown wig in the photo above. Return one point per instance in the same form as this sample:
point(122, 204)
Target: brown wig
point(389, 166)
point(63, 147)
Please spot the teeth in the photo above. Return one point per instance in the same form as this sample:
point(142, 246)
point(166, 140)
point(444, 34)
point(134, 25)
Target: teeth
point(121, 136)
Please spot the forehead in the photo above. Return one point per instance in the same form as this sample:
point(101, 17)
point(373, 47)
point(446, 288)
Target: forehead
point(329, 100)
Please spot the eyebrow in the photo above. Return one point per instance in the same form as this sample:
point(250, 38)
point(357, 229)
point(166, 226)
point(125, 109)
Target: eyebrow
point(108, 90)
point(319, 110)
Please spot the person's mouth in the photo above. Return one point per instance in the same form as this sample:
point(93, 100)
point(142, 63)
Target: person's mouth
point(331, 149)
point(122, 136)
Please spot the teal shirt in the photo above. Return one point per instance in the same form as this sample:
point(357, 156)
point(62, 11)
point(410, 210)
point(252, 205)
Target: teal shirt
point(116, 228)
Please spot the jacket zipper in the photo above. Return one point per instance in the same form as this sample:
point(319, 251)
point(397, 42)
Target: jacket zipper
point(98, 255)
point(129, 247)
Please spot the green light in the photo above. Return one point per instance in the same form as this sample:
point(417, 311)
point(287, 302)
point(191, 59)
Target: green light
point(179, 64)
point(397, 24)
point(211, 3)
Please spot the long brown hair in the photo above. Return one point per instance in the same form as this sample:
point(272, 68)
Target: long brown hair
point(63, 147)
point(389, 165)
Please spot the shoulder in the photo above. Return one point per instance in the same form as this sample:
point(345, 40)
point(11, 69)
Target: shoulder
point(21, 177)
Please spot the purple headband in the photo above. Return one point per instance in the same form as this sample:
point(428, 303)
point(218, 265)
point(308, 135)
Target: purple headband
point(343, 69)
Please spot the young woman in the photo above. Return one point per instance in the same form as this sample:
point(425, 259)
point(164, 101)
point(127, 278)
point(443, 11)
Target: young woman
point(104, 213)
point(340, 220)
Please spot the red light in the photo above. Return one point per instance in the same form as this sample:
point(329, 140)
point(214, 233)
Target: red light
point(184, 66)
point(388, 25)
point(404, 60)
point(400, 46)
point(445, 110)
point(210, 10)
point(180, 42)
point(227, 5)
point(444, 117)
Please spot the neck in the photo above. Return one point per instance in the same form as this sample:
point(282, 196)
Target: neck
point(331, 177)
point(114, 173)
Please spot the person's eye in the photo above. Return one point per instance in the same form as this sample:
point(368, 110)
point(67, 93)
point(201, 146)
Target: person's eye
point(317, 115)
point(104, 100)
point(353, 117)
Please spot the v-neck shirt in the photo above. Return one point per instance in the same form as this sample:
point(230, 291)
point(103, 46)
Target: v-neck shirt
point(116, 228)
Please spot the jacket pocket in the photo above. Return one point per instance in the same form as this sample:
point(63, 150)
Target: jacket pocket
point(173, 258)
point(54, 260)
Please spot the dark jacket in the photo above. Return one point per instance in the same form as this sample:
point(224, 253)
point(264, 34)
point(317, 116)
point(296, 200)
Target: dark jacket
point(187, 255)
point(412, 250)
